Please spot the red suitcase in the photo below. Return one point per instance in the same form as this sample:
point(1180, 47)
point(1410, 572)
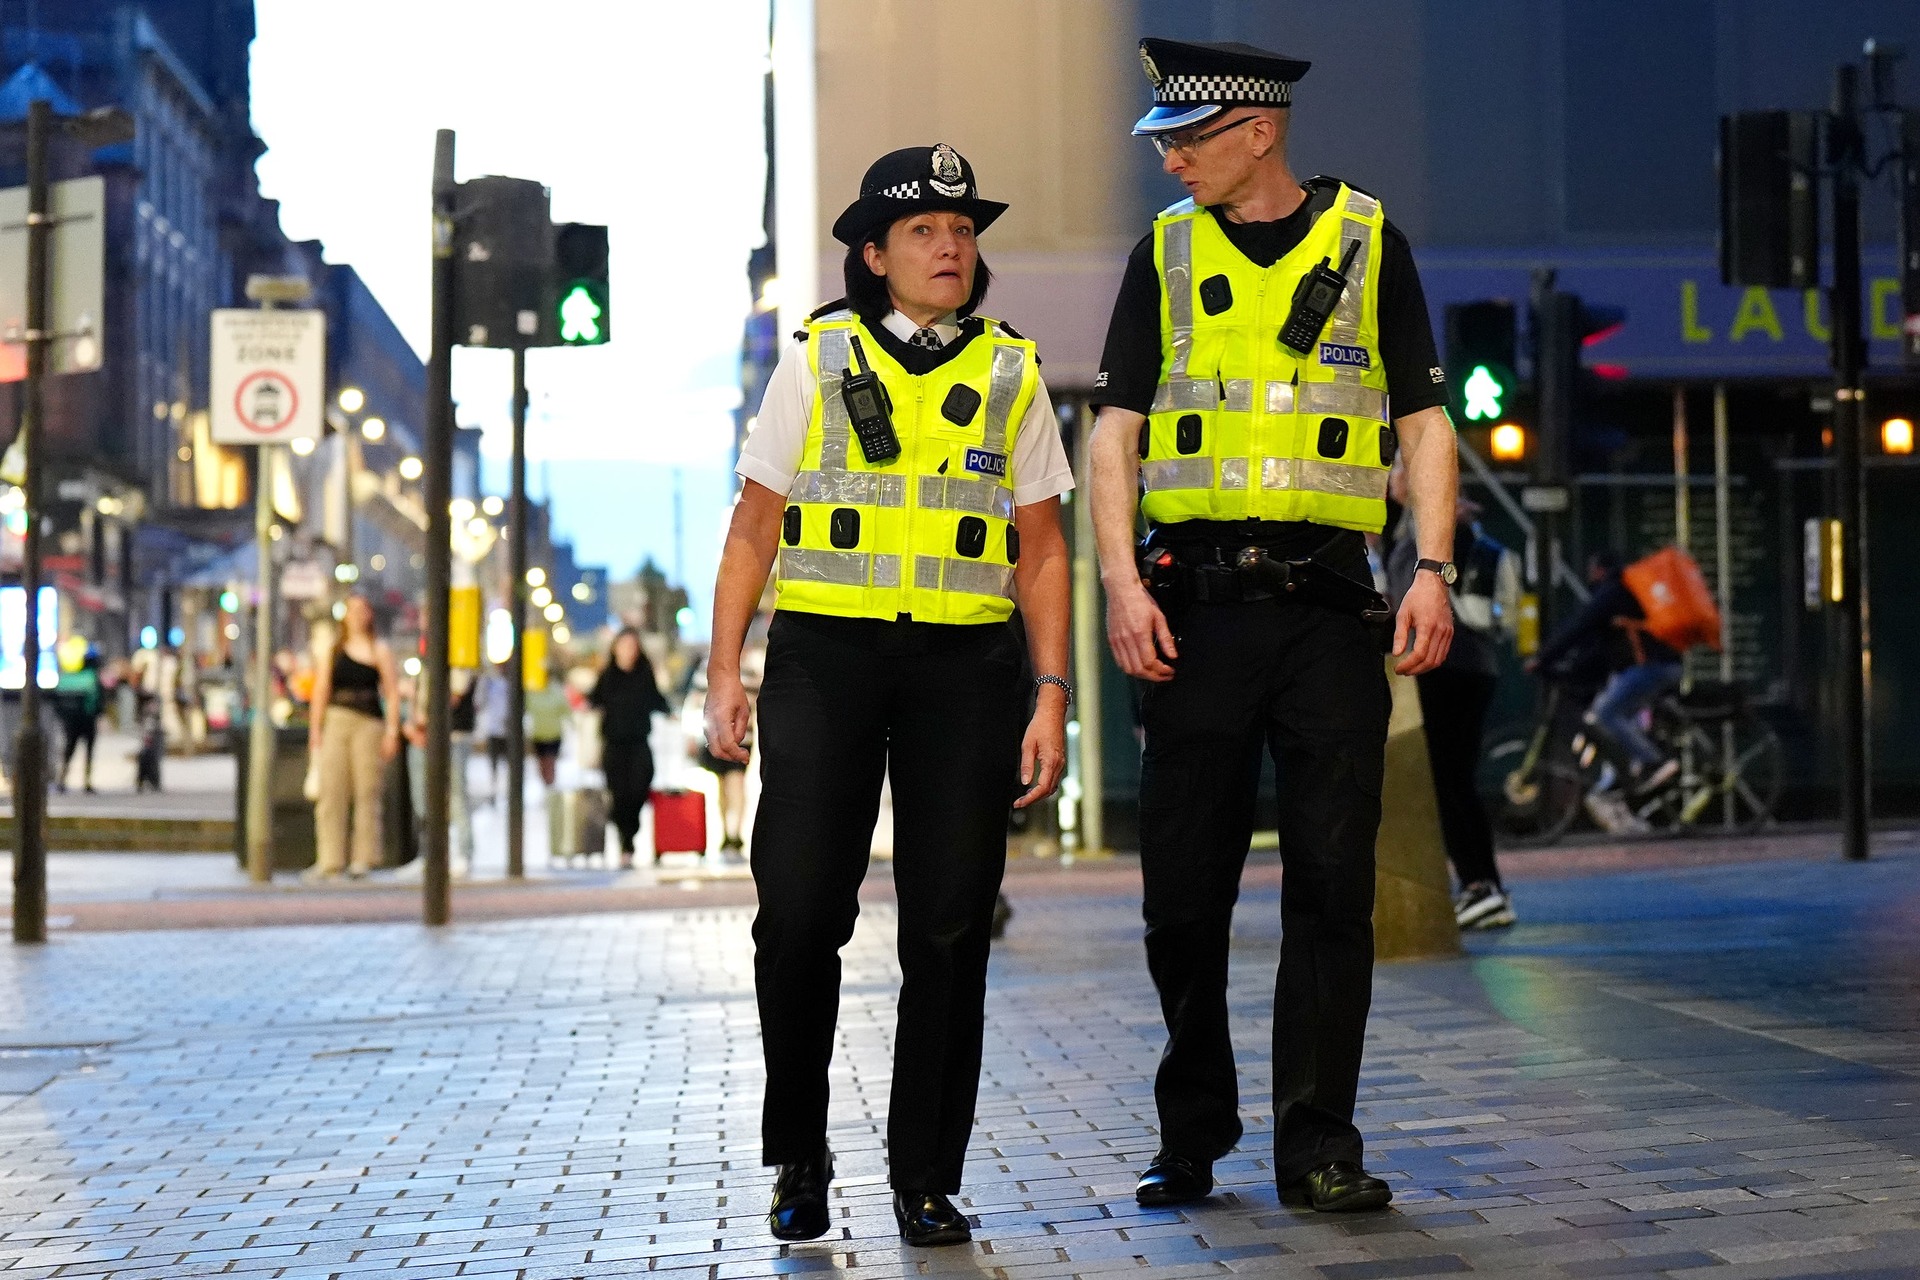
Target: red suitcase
point(679, 822)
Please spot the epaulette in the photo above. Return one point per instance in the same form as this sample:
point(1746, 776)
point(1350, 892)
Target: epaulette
point(1181, 206)
point(838, 304)
point(1009, 330)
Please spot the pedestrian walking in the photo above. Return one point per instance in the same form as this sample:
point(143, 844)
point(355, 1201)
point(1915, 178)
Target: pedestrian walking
point(548, 713)
point(903, 484)
point(1455, 696)
point(355, 731)
point(490, 726)
point(77, 700)
point(460, 722)
point(1259, 329)
point(628, 699)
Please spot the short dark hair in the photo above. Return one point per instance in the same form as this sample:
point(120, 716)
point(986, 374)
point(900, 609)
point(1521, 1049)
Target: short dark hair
point(867, 293)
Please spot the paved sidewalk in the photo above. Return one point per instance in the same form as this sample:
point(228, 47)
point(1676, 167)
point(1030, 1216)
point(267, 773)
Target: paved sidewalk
point(1711, 1068)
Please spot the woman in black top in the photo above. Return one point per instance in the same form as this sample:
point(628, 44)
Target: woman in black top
point(628, 700)
point(355, 731)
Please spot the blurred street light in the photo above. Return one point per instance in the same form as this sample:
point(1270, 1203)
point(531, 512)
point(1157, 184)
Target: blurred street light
point(553, 612)
point(493, 504)
point(411, 468)
point(536, 576)
point(582, 592)
point(302, 445)
point(461, 508)
point(374, 428)
point(541, 597)
point(352, 399)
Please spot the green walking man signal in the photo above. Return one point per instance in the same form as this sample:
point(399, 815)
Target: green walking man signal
point(580, 315)
point(1484, 393)
point(579, 312)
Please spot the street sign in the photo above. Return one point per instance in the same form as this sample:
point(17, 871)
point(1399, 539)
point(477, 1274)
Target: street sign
point(302, 580)
point(268, 376)
point(76, 275)
point(1545, 497)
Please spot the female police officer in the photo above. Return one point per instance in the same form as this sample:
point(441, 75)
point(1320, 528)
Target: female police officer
point(903, 482)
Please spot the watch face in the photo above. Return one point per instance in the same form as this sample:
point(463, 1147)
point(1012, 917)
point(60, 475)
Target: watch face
point(1449, 574)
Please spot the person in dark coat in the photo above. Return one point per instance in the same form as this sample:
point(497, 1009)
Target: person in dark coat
point(628, 699)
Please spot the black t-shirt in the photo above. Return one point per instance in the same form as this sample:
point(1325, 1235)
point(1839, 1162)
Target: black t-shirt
point(1130, 365)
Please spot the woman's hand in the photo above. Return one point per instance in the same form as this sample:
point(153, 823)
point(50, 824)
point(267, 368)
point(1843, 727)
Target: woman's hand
point(390, 743)
point(728, 717)
point(1043, 752)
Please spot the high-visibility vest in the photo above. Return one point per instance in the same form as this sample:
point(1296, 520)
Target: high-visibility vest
point(930, 533)
point(1245, 428)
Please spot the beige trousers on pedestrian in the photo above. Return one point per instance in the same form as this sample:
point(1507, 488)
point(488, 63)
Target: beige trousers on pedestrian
point(350, 771)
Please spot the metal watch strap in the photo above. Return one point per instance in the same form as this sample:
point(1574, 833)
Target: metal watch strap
point(1065, 687)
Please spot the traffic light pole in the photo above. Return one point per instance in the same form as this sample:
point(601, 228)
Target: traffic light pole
point(517, 678)
point(438, 492)
point(1849, 426)
point(30, 754)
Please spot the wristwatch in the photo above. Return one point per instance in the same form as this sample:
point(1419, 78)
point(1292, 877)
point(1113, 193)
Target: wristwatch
point(1448, 574)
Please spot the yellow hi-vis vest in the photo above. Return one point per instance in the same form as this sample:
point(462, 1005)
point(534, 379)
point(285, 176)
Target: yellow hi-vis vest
point(1243, 428)
point(930, 533)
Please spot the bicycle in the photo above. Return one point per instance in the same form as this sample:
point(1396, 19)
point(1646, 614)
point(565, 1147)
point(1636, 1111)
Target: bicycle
point(1728, 754)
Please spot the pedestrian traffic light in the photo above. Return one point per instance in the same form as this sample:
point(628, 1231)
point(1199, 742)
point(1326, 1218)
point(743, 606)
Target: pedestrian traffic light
point(1480, 364)
point(501, 257)
point(1508, 442)
point(579, 314)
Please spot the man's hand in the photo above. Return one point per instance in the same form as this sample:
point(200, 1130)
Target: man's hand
point(1138, 633)
point(727, 717)
point(1043, 752)
point(1428, 614)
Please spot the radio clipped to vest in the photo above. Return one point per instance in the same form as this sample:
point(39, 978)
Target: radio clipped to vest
point(1314, 299)
point(866, 401)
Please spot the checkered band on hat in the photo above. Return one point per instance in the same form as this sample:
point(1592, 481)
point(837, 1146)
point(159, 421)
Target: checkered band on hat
point(1250, 90)
point(901, 191)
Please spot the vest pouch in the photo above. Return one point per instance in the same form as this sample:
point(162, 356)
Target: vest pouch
point(790, 526)
point(960, 406)
point(843, 528)
point(1389, 445)
point(1189, 434)
point(1333, 438)
point(1013, 544)
point(970, 539)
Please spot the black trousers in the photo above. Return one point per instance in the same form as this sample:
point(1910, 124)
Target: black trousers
point(1309, 685)
point(1454, 705)
point(939, 709)
point(629, 770)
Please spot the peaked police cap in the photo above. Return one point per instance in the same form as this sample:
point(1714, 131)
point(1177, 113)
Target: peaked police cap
point(1195, 81)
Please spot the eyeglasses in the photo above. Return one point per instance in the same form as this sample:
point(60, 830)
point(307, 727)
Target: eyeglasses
point(1167, 145)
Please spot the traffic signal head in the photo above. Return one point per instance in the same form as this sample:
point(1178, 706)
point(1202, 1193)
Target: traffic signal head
point(580, 310)
point(1480, 350)
point(1896, 435)
point(1508, 442)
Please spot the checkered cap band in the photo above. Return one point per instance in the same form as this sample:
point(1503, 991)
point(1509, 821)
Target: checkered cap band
point(901, 191)
point(1248, 90)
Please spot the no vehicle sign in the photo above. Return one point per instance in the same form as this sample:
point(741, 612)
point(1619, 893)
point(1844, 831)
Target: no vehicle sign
point(268, 372)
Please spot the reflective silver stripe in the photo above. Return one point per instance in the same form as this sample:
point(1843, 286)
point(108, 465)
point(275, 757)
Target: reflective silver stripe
point(1176, 275)
point(926, 572)
point(886, 571)
point(1343, 478)
point(1181, 394)
point(1279, 397)
point(1276, 473)
point(1178, 473)
point(833, 411)
point(861, 488)
point(1009, 371)
point(977, 577)
point(809, 564)
point(1361, 204)
point(956, 493)
point(1341, 398)
point(1346, 314)
point(1236, 395)
point(1233, 473)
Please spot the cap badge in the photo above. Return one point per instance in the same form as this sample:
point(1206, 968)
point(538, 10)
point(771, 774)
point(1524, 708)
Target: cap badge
point(947, 174)
point(1150, 67)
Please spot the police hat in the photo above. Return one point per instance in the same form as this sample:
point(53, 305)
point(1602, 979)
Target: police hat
point(1194, 82)
point(913, 180)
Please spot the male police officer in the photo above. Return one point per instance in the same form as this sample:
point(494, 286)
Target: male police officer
point(1257, 335)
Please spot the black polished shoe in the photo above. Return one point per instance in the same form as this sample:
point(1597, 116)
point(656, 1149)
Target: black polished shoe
point(1339, 1186)
point(928, 1218)
point(1172, 1179)
point(799, 1209)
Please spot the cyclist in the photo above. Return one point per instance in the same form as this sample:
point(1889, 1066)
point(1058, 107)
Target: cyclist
point(1607, 638)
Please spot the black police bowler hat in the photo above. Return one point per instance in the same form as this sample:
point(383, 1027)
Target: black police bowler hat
point(914, 180)
point(1194, 81)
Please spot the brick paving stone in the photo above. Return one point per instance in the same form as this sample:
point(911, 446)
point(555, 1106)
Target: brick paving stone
point(557, 1098)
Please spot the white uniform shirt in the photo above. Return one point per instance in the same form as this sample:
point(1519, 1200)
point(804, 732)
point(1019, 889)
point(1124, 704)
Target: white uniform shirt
point(771, 455)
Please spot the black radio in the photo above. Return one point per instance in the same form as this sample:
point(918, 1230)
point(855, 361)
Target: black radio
point(867, 405)
point(1314, 299)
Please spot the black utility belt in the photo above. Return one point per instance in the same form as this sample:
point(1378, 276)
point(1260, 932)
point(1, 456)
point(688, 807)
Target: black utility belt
point(1212, 573)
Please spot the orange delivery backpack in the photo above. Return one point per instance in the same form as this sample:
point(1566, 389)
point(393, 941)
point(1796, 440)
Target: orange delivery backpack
point(1680, 610)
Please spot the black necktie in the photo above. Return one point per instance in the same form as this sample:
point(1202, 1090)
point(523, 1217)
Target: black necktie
point(926, 338)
